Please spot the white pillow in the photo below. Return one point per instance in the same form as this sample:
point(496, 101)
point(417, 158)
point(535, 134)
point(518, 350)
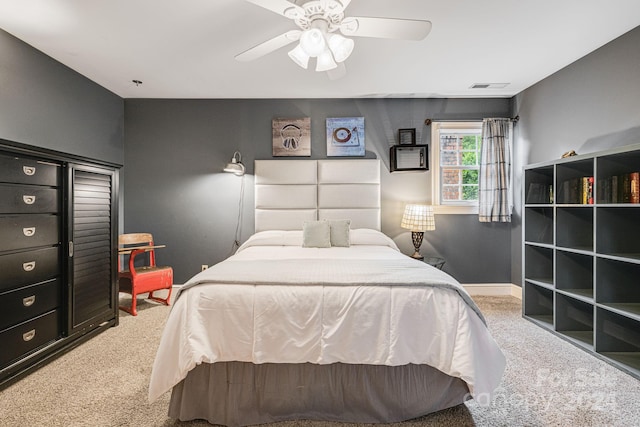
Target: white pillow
point(316, 234)
point(367, 236)
point(339, 231)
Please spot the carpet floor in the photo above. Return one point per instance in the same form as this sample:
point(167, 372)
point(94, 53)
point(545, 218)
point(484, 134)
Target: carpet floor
point(547, 382)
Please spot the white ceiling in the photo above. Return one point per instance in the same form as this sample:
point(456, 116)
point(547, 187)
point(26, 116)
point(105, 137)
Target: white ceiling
point(186, 48)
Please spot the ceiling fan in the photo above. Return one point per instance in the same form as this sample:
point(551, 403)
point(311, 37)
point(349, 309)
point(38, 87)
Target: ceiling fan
point(319, 22)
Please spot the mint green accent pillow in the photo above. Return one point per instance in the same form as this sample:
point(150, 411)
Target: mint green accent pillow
point(339, 232)
point(316, 234)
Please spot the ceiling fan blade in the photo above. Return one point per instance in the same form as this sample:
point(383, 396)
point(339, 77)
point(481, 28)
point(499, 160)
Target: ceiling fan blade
point(269, 46)
point(281, 7)
point(337, 73)
point(345, 3)
point(387, 28)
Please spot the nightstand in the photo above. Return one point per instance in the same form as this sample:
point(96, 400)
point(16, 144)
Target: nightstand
point(435, 262)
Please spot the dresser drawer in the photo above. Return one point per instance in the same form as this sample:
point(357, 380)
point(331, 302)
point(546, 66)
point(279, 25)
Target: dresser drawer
point(28, 171)
point(26, 303)
point(21, 339)
point(28, 231)
point(19, 199)
point(29, 267)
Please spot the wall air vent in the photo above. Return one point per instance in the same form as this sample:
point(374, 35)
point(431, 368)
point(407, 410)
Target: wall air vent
point(489, 85)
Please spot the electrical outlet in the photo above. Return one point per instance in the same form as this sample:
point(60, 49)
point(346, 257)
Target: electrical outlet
point(204, 267)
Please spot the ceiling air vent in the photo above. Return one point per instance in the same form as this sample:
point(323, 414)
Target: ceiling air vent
point(489, 85)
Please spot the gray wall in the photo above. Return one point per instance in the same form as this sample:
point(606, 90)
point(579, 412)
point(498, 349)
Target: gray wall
point(46, 104)
point(175, 151)
point(591, 105)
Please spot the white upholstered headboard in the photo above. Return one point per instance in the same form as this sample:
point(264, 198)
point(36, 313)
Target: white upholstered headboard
point(289, 192)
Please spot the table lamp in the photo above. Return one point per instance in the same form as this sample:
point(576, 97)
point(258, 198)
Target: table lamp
point(418, 219)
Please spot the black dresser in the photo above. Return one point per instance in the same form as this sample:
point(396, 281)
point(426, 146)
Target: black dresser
point(58, 248)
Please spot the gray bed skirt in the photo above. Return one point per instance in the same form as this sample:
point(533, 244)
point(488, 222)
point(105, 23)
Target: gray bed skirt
point(240, 393)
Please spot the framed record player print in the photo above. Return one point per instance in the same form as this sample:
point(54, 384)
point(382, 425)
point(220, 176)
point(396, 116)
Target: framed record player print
point(345, 136)
point(291, 137)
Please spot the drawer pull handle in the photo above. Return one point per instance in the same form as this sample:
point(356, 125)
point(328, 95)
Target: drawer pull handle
point(29, 200)
point(29, 170)
point(29, 231)
point(29, 266)
point(28, 301)
point(28, 336)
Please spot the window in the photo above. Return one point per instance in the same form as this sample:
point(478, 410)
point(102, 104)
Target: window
point(456, 165)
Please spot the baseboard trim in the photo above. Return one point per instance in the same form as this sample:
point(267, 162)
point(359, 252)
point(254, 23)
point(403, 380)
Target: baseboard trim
point(494, 289)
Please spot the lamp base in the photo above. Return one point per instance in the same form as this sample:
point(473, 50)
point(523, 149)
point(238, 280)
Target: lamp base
point(416, 237)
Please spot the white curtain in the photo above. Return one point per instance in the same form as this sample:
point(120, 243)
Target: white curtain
point(495, 186)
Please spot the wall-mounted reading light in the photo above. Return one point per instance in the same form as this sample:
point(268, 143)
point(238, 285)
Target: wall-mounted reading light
point(235, 166)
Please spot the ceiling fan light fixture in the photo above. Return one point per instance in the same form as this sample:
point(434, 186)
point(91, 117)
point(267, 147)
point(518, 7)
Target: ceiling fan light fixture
point(325, 61)
point(299, 56)
point(340, 46)
point(318, 22)
point(313, 42)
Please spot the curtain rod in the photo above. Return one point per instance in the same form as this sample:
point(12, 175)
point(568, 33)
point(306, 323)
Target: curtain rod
point(428, 122)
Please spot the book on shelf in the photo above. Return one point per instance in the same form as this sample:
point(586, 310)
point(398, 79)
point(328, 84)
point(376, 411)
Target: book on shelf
point(577, 191)
point(587, 190)
point(602, 190)
point(624, 188)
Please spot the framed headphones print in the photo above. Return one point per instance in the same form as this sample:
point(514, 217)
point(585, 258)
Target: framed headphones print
point(291, 137)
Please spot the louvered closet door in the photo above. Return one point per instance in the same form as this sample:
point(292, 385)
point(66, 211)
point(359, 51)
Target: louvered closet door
point(92, 246)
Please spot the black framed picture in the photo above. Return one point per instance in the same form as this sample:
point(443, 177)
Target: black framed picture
point(407, 136)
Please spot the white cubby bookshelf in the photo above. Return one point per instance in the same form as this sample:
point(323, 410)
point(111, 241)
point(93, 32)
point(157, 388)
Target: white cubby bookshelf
point(581, 252)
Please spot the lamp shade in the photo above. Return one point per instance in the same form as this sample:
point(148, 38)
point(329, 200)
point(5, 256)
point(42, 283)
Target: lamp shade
point(299, 56)
point(312, 42)
point(235, 166)
point(321, 43)
point(418, 218)
point(325, 61)
point(341, 47)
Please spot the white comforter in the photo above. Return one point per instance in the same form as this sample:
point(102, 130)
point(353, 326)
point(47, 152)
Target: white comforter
point(277, 302)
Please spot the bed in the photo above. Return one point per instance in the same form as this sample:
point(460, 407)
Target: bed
point(305, 323)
